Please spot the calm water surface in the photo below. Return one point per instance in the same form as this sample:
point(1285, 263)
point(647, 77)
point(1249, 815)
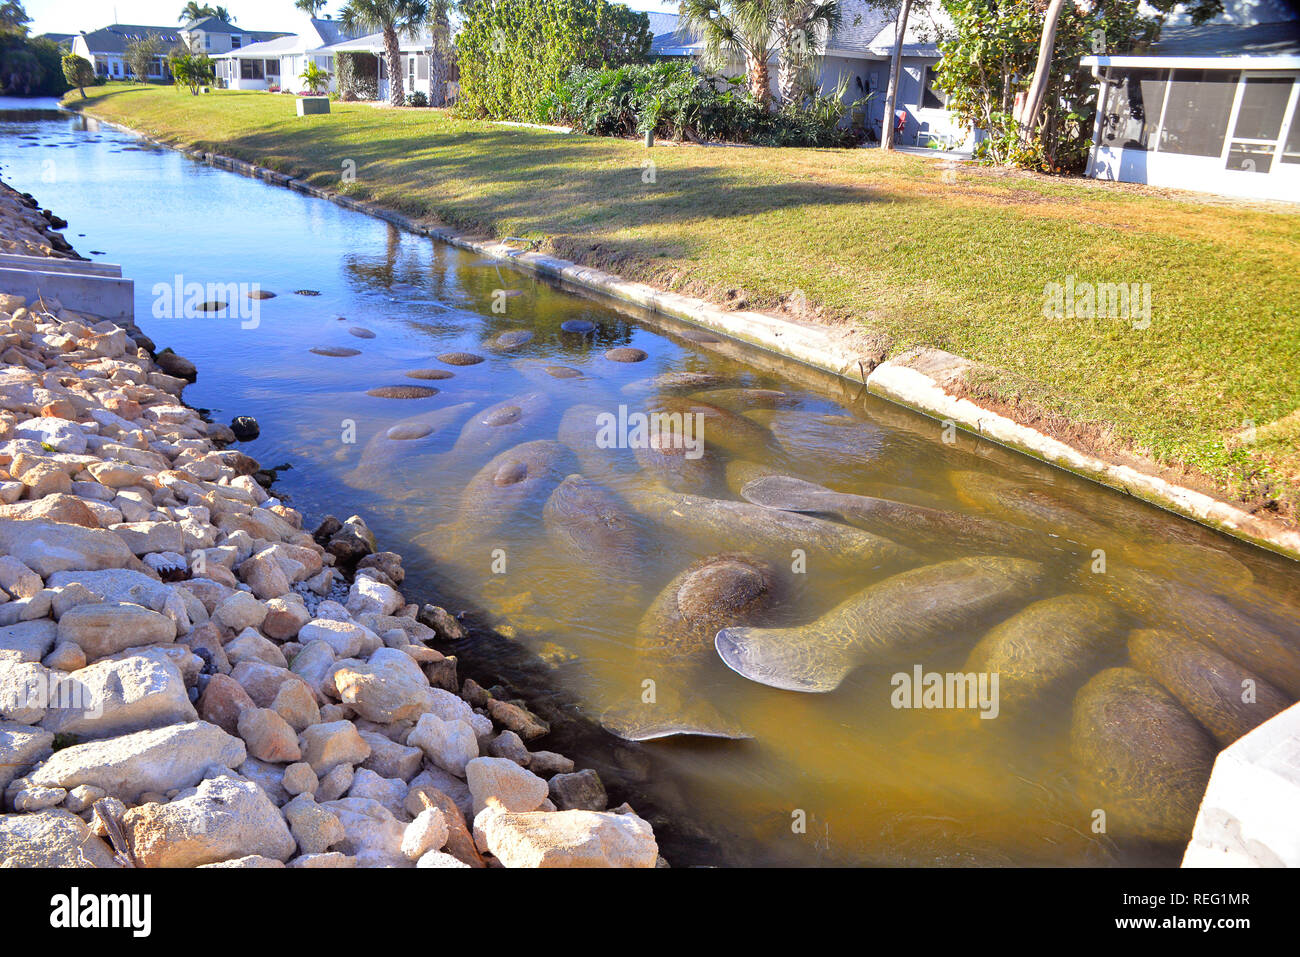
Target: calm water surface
point(570, 600)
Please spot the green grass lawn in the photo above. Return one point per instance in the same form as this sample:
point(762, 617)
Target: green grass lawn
point(894, 243)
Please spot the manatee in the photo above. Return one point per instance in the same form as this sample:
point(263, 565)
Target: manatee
point(895, 621)
point(626, 354)
point(361, 332)
point(1267, 645)
point(829, 447)
point(1045, 649)
point(674, 646)
point(678, 468)
point(711, 522)
point(460, 358)
point(1195, 565)
point(740, 472)
point(562, 372)
point(429, 374)
point(337, 352)
point(1027, 505)
point(588, 522)
point(741, 400)
point(579, 429)
point(719, 427)
point(914, 524)
point(402, 391)
point(674, 383)
point(1142, 758)
point(404, 444)
point(579, 327)
point(498, 426)
point(515, 480)
point(512, 340)
point(1207, 684)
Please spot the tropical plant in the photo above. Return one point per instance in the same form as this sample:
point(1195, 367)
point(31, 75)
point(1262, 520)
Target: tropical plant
point(801, 27)
point(194, 11)
point(78, 71)
point(191, 70)
point(13, 17)
point(28, 66)
point(417, 98)
point(394, 19)
point(221, 13)
point(140, 55)
point(735, 29)
point(310, 7)
point(514, 55)
point(314, 78)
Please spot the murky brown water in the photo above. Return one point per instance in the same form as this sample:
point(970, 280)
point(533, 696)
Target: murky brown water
point(611, 569)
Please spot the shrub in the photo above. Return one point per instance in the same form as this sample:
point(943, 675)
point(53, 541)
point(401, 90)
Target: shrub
point(79, 72)
point(514, 55)
point(673, 101)
point(416, 98)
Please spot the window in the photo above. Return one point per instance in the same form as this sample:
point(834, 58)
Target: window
point(251, 70)
point(117, 68)
point(1196, 116)
point(1291, 149)
point(236, 41)
point(101, 66)
point(410, 69)
point(273, 69)
point(207, 42)
point(1133, 103)
point(1263, 101)
point(932, 98)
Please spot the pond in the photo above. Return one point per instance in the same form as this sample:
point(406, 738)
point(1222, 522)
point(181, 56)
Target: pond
point(655, 531)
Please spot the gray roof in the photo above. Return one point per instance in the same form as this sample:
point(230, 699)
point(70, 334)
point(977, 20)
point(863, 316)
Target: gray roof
point(1213, 40)
point(114, 37)
point(217, 25)
point(668, 36)
point(859, 26)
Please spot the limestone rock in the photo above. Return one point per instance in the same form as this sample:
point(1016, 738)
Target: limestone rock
point(570, 839)
point(52, 838)
point(118, 696)
point(513, 787)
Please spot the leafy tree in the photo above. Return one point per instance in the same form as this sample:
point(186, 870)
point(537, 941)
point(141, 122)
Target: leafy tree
point(394, 19)
point(140, 55)
point(13, 18)
point(310, 7)
point(515, 54)
point(315, 79)
point(28, 67)
point(221, 13)
point(192, 70)
point(78, 71)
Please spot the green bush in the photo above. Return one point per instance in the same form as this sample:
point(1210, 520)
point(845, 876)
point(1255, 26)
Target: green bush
point(675, 102)
point(417, 98)
point(515, 54)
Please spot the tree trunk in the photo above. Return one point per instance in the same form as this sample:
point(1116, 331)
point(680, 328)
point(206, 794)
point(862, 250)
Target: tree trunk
point(787, 62)
point(895, 71)
point(758, 81)
point(438, 67)
point(1033, 106)
point(393, 55)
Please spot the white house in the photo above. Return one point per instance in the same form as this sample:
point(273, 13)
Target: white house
point(371, 61)
point(106, 47)
point(860, 50)
point(279, 62)
point(1214, 108)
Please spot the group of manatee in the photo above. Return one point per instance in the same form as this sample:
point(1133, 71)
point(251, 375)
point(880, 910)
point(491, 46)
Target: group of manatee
point(1155, 652)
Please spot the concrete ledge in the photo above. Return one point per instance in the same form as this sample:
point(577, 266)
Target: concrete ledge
point(909, 380)
point(57, 264)
point(104, 296)
point(1250, 815)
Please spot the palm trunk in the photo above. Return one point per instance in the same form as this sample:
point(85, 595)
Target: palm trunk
point(438, 66)
point(759, 85)
point(895, 71)
point(1033, 105)
point(393, 54)
point(787, 63)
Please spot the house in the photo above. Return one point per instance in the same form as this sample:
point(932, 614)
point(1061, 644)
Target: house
point(106, 47)
point(371, 63)
point(279, 62)
point(859, 51)
point(1214, 108)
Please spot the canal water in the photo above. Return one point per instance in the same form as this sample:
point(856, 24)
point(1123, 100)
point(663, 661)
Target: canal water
point(598, 562)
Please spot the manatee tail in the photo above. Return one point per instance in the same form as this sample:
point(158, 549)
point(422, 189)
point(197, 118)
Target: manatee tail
point(793, 659)
point(785, 492)
point(671, 719)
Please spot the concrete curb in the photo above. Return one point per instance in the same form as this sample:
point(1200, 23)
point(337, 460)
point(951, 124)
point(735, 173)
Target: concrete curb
point(909, 379)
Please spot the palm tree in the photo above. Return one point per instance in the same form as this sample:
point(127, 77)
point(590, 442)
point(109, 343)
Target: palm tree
point(310, 7)
point(194, 11)
point(439, 50)
point(221, 13)
point(735, 28)
point(800, 26)
point(392, 18)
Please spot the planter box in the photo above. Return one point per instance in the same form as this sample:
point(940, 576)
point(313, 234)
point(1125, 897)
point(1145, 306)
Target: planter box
point(308, 105)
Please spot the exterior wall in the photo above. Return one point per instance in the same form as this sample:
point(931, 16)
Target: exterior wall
point(1124, 160)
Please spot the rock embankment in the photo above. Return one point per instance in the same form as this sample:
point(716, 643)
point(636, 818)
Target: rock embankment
point(191, 678)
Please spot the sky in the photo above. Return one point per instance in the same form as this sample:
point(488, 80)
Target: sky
point(73, 16)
